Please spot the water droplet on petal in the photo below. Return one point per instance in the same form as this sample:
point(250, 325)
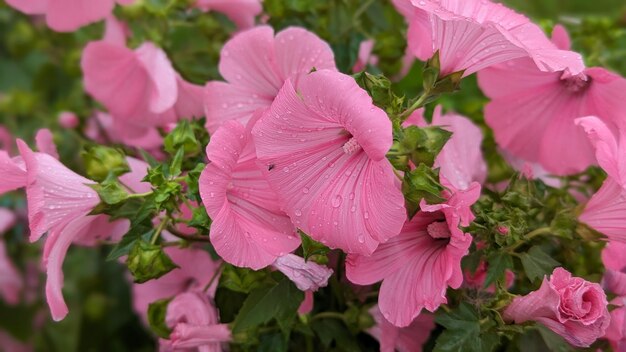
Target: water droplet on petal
point(361, 238)
point(298, 212)
point(336, 202)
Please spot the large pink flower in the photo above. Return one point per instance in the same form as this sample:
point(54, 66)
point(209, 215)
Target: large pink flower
point(195, 270)
point(194, 323)
point(614, 261)
point(241, 12)
point(532, 112)
point(570, 306)
point(416, 267)
point(249, 229)
point(323, 146)
point(68, 15)
point(409, 339)
point(471, 35)
point(255, 65)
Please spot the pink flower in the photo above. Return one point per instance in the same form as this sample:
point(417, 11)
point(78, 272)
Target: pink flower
point(610, 150)
point(307, 275)
point(7, 220)
point(461, 160)
point(416, 267)
point(606, 211)
point(12, 173)
point(323, 148)
point(11, 283)
point(11, 344)
point(249, 229)
point(476, 280)
point(45, 143)
point(103, 128)
point(614, 261)
point(68, 119)
point(255, 64)
point(471, 35)
point(194, 321)
point(532, 112)
point(68, 15)
point(408, 339)
point(365, 56)
point(195, 270)
point(241, 12)
point(616, 332)
point(307, 304)
point(570, 306)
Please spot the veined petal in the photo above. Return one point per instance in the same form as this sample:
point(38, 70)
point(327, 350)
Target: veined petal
point(69, 15)
point(164, 87)
point(307, 275)
point(226, 102)
point(12, 173)
point(609, 151)
point(606, 211)
point(298, 50)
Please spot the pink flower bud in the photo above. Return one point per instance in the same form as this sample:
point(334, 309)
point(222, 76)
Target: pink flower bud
point(503, 230)
point(68, 119)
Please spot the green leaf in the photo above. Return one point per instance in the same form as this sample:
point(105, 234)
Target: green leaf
point(156, 318)
point(177, 163)
point(110, 192)
point(463, 332)
point(102, 162)
point(537, 263)
point(421, 183)
point(377, 86)
point(332, 330)
point(311, 247)
point(276, 302)
point(498, 263)
point(182, 136)
point(241, 279)
point(147, 261)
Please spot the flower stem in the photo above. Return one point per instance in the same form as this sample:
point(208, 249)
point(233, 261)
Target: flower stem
point(537, 232)
point(159, 229)
point(329, 315)
point(416, 105)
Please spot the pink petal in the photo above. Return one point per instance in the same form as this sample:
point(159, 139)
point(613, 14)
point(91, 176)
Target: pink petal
point(307, 275)
point(307, 305)
point(69, 15)
point(248, 228)
point(11, 283)
point(12, 173)
point(298, 51)
point(226, 102)
point(409, 339)
point(134, 179)
point(11, 344)
point(115, 31)
point(191, 307)
point(187, 336)
point(325, 158)
point(560, 38)
point(606, 211)
point(609, 151)
point(7, 220)
point(164, 88)
point(29, 7)
point(68, 120)
point(45, 143)
point(365, 51)
point(241, 12)
point(189, 103)
point(55, 194)
point(101, 229)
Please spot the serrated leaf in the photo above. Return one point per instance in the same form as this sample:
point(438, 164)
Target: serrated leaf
point(497, 265)
point(311, 247)
point(147, 261)
point(463, 332)
point(537, 263)
point(156, 318)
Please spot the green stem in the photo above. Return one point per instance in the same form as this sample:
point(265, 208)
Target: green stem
point(416, 105)
point(190, 238)
point(329, 315)
point(215, 276)
point(159, 229)
point(139, 195)
point(537, 232)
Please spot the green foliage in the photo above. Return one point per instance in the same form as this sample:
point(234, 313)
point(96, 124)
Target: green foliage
point(156, 317)
point(103, 162)
point(465, 331)
point(537, 263)
point(148, 261)
point(421, 183)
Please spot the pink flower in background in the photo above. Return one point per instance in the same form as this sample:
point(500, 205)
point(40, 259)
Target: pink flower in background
point(616, 332)
point(11, 344)
point(532, 112)
point(255, 64)
point(614, 261)
point(103, 128)
point(307, 304)
point(194, 322)
point(68, 15)
point(408, 339)
point(68, 119)
point(610, 149)
point(570, 306)
point(11, 282)
point(461, 160)
point(307, 275)
point(7, 220)
point(12, 173)
point(241, 12)
point(45, 143)
point(249, 228)
point(365, 56)
point(194, 272)
point(476, 280)
point(606, 211)
point(323, 146)
point(471, 35)
point(415, 267)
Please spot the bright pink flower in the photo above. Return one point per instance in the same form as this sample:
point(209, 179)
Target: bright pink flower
point(45, 143)
point(570, 306)
point(194, 323)
point(307, 275)
point(476, 280)
point(532, 113)
point(11, 282)
point(606, 211)
point(614, 261)
point(195, 270)
point(471, 35)
point(7, 220)
point(461, 160)
point(249, 229)
point(255, 64)
point(365, 56)
point(68, 15)
point(241, 12)
point(616, 332)
point(610, 150)
point(323, 147)
point(408, 339)
point(416, 267)
point(68, 119)
point(457, 206)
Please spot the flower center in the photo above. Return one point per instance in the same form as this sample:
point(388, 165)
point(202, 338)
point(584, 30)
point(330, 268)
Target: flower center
point(351, 146)
point(438, 230)
point(576, 83)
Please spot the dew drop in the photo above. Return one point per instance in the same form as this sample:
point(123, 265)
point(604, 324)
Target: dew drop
point(336, 202)
point(305, 190)
point(361, 238)
point(298, 212)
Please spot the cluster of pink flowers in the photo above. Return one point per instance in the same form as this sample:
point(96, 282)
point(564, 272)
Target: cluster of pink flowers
point(298, 146)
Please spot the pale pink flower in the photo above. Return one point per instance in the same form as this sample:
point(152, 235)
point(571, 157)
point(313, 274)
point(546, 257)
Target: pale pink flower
point(68, 119)
point(195, 270)
point(248, 229)
point(365, 56)
point(11, 282)
point(134, 180)
point(606, 211)
point(532, 112)
point(255, 64)
point(461, 160)
point(408, 339)
point(323, 146)
point(68, 15)
point(307, 304)
point(103, 128)
point(6, 140)
point(614, 260)
point(416, 267)
point(570, 306)
point(12, 173)
point(45, 143)
point(616, 332)
point(471, 35)
point(476, 280)
point(194, 322)
point(241, 12)
point(610, 149)
point(307, 275)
